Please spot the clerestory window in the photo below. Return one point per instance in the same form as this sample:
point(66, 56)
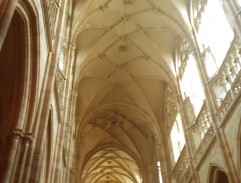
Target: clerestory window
point(214, 33)
point(191, 85)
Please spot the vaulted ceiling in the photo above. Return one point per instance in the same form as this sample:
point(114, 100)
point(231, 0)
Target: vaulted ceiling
point(125, 52)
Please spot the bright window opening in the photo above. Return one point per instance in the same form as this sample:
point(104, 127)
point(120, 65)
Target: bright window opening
point(239, 2)
point(177, 137)
point(211, 67)
point(191, 85)
point(216, 33)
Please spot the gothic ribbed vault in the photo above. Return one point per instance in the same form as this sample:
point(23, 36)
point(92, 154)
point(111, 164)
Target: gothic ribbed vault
point(125, 51)
point(111, 165)
point(120, 91)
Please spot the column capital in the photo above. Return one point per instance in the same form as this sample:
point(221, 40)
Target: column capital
point(27, 138)
point(19, 135)
point(15, 134)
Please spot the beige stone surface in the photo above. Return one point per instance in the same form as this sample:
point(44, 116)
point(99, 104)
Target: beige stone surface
point(107, 115)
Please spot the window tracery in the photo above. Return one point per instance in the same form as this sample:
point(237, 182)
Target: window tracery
point(171, 108)
point(189, 79)
point(198, 117)
point(184, 51)
point(211, 24)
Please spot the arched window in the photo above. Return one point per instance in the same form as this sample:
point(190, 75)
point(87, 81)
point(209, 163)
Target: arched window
point(190, 86)
point(214, 33)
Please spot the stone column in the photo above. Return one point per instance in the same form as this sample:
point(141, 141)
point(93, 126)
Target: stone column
point(69, 88)
point(40, 125)
point(57, 167)
point(8, 157)
point(21, 158)
point(14, 156)
point(7, 8)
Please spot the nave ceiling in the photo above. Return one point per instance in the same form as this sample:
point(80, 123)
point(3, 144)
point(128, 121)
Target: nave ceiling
point(125, 51)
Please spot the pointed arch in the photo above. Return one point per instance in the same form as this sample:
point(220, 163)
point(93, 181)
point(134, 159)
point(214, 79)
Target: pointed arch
point(13, 56)
point(19, 68)
point(217, 175)
point(30, 74)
